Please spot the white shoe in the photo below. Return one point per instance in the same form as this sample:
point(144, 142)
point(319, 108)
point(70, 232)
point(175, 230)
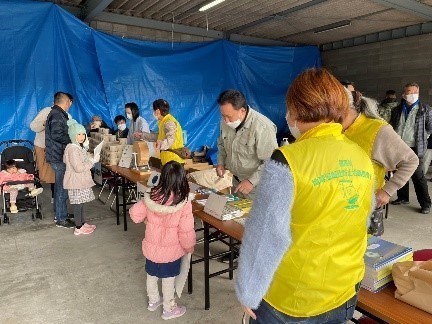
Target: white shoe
point(35, 192)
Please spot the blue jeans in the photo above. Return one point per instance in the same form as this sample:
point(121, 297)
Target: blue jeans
point(60, 194)
point(266, 314)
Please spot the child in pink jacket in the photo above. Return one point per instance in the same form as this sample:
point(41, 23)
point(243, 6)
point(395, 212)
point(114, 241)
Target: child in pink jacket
point(169, 235)
point(12, 173)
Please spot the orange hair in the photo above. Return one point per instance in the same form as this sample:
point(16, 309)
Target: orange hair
point(316, 95)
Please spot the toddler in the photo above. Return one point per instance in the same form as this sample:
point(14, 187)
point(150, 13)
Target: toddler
point(169, 235)
point(78, 179)
point(12, 173)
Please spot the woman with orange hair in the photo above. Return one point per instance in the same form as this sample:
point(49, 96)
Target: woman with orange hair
point(301, 258)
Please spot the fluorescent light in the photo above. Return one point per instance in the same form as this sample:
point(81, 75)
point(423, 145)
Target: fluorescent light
point(337, 25)
point(210, 5)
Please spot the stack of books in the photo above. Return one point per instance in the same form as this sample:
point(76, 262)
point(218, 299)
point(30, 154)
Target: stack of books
point(379, 259)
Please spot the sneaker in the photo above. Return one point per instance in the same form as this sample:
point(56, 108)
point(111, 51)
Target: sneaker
point(399, 202)
point(89, 226)
point(66, 224)
point(83, 230)
point(174, 313)
point(153, 306)
point(35, 192)
point(13, 209)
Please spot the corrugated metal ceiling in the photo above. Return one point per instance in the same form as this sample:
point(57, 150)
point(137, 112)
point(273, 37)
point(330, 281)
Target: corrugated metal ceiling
point(293, 21)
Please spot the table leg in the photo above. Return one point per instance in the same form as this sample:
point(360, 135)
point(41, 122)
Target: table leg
point(116, 191)
point(206, 265)
point(124, 202)
point(231, 260)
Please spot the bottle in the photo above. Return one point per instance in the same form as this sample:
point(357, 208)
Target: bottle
point(284, 141)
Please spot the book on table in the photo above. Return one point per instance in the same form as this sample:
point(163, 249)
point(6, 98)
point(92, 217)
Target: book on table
point(379, 258)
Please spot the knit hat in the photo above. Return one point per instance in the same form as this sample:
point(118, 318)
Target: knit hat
point(75, 129)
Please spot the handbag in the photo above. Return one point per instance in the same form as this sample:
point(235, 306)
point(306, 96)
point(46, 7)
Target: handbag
point(413, 280)
point(183, 152)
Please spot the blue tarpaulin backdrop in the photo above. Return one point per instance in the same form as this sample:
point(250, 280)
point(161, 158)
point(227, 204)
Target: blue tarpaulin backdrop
point(46, 49)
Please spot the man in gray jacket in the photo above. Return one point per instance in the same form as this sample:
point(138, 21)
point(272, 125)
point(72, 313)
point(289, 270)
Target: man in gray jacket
point(247, 138)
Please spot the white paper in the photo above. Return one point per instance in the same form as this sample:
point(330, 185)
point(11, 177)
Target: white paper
point(97, 150)
point(180, 280)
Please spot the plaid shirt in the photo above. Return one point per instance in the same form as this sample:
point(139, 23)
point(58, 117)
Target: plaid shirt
point(423, 126)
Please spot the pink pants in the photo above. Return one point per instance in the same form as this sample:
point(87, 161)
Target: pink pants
point(13, 190)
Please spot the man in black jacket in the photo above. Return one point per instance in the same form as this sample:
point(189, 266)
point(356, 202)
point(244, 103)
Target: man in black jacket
point(56, 139)
point(412, 120)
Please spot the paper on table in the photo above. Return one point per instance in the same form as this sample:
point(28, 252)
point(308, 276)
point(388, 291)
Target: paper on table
point(97, 150)
point(180, 280)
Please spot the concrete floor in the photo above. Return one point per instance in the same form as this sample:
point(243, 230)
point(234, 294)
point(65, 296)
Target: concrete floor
point(48, 275)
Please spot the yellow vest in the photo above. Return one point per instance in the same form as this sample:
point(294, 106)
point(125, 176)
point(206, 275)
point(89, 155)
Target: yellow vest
point(333, 189)
point(178, 140)
point(363, 132)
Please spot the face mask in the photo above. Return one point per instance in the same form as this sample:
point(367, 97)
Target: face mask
point(411, 98)
point(122, 127)
point(293, 129)
point(129, 116)
point(234, 124)
point(86, 143)
point(155, 116)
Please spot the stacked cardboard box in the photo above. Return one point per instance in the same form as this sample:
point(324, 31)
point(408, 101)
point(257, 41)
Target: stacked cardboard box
point(111, 150)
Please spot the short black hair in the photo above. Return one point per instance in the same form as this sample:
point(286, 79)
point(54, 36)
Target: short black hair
point(346, 83)
point(162, 105)
point(390, 92)
point(119, 118)
point(61, 96)
point(10, 164)
point(233, 97)
point(134, 109)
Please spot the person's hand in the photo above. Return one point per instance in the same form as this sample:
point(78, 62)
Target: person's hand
point(249, 311)
point(158, 145)
point(137, 135)
point(382, 198)
point(244, 187)
point(92, 126)
point(96, 158)
point(220, 170)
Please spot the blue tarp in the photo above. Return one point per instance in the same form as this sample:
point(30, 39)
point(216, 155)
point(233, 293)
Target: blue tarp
point(46, 49)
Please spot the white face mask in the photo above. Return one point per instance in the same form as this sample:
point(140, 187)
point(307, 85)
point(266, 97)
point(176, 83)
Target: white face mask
point(411, 98)
point(293, 129)
point(122, 127)
point(155, 116)
point(234, 124)
point(129, 116)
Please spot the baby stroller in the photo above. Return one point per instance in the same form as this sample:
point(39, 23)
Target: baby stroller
point(22, 152)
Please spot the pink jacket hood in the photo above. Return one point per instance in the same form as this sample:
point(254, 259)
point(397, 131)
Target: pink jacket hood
point(169, 232)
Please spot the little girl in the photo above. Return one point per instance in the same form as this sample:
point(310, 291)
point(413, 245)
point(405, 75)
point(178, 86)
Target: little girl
point(78, 179)
point(169, 235)
point(12, 173)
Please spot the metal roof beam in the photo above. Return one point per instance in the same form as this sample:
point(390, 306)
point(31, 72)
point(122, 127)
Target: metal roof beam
point(159, 25)
point(413, 7)
point(283, 13)
point(94, 7)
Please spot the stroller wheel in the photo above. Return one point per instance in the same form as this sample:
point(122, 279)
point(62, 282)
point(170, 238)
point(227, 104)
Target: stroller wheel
point(6, 219)
point(39, 214)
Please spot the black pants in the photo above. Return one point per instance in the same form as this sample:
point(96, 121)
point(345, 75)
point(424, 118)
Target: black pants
point(420, 186)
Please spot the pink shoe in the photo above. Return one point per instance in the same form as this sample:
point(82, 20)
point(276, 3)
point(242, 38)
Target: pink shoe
point(174, 313)
point(90, 226)
point(153, 306)
point(83, 230)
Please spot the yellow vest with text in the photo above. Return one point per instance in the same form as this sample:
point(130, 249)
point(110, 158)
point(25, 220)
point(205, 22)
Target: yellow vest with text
point(363, 132)
point(167, 156)
point(333, 189)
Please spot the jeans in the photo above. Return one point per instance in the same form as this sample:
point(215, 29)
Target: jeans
point(266, 314)
point(60, 194)
point(420, 187)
